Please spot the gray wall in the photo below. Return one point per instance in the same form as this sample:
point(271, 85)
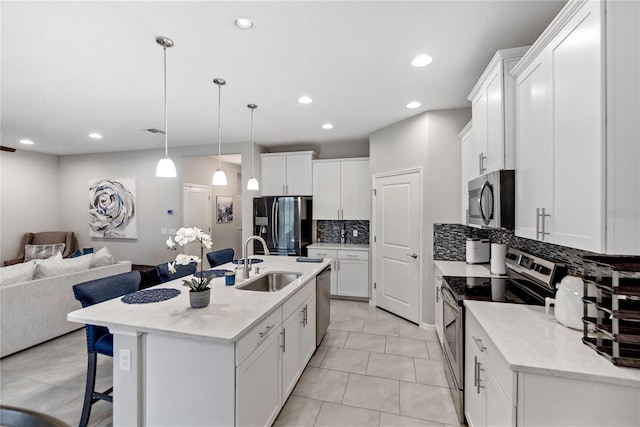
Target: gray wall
point(429, 140)
point(28, 197)
point(41, 192)
point(329, 150)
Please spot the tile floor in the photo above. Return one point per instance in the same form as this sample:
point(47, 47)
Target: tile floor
point(371, 369)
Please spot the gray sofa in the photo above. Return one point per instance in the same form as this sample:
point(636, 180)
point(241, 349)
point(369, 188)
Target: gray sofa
point(36, 311)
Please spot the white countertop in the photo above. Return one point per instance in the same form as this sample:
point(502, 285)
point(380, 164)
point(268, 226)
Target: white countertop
point(346, 246)
point(532, 341)
point(461, 268)
point(231, 311)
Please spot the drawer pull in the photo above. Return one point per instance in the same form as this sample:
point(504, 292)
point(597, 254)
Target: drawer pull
point(478, 342)
point(321, 253)
point(352, 256)
point(263, 333)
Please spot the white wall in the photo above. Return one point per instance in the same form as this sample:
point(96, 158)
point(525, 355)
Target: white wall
point(28, 197)
point(199, 170)
point(429, 140)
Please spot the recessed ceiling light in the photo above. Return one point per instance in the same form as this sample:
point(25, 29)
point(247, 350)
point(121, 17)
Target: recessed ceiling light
point(413, 104)
point(243, 23)
point(26, 142)
point(95, 136)
point(305, 100)
point(421, 61)
point(327, 126)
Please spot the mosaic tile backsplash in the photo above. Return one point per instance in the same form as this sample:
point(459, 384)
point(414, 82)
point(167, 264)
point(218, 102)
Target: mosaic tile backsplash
point(329, 231)
point(449, 244)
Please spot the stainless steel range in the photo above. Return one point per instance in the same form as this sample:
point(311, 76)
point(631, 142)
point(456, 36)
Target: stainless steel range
point(529, 280)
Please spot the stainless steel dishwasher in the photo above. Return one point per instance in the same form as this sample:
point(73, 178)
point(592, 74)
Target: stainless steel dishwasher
point(323, 303)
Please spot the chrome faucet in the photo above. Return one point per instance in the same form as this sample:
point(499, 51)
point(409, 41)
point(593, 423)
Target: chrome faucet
point(247, 265)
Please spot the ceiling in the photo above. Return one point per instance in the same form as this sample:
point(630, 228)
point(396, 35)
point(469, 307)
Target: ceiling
point(72, 68)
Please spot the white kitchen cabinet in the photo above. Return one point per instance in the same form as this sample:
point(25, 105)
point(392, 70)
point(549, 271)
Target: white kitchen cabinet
point(466, 168)
point(489, 384)
point(493, 111)
point(258, 384)
point(351, 269)
point(576, 134)
point(291, 338)
point(342, 189)
point(439, 319)
point(285, 174)
point(298, 336)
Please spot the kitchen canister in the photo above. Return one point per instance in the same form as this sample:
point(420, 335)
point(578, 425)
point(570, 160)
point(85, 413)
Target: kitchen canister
point(498, 259)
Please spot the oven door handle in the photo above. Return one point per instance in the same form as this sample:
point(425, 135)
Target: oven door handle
point(448, 299)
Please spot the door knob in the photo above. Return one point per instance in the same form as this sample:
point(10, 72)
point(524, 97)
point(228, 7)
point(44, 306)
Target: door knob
point(414, 256)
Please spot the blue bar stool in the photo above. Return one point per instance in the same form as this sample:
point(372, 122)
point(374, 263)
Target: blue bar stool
point(99, 340)
point(220, 257)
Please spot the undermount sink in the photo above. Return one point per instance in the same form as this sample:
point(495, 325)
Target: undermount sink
point(270, 282)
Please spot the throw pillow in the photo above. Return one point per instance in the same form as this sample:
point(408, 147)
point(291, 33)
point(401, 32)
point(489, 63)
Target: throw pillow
point(101, 258)
point(77, 253)
point(17, 273)
point(42, 251)
point(55, 267)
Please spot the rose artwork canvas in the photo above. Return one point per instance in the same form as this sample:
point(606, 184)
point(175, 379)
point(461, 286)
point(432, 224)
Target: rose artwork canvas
point(112, 208)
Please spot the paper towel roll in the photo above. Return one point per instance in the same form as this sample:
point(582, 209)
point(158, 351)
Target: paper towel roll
point(498, 258)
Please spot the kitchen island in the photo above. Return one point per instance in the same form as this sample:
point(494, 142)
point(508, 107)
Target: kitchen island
point(524, 368)
point(231, 363)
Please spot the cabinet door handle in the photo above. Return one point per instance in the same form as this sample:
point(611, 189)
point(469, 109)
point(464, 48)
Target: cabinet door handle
point(284, 340)
point(263, 333)
point(541, 214)
point(338, 213)
point(479, 370)
point(475, 371)
point(304, 316)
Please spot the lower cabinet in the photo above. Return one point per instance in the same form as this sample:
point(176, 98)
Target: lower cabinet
point(438, 306)
point(298, 344)
point(258, 396)
point(351, 271)
point(271, 357)
point(485, 401)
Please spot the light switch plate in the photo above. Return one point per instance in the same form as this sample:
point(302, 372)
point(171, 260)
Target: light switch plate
point(125, 359)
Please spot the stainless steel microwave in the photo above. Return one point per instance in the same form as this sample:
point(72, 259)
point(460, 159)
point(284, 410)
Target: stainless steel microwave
point(492, 200)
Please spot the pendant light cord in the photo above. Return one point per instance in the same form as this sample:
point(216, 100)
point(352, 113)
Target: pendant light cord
point(252, 155)
point(166, 130)
point(219, 128)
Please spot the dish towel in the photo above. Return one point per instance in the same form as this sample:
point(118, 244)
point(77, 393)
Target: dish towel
point(307, 259)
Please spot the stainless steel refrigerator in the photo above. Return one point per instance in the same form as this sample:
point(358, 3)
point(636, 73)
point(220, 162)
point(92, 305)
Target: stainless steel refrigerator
point(284, 222)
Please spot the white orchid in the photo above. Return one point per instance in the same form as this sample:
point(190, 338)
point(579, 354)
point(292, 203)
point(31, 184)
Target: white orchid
point(184, 236)
point(183, 259)
point(170, 244)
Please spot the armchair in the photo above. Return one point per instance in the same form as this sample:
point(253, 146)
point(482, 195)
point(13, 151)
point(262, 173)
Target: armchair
point(46, 238)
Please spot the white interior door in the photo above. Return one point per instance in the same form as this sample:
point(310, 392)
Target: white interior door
point(397, 244)
point(196, 201)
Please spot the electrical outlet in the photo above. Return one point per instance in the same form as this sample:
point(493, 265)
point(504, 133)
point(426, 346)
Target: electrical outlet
point(172, 231)
point(355, 233)
point(125, 359)
point(163, 231)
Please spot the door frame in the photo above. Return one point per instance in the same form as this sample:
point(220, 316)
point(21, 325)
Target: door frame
point(374, 221)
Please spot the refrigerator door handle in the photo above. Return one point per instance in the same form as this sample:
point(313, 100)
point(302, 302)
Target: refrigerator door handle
point(273, 221)
point(277, 221)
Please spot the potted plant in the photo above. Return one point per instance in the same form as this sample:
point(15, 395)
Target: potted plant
point(199, 291)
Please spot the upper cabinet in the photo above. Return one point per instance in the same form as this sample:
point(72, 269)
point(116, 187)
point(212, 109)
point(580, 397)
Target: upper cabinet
point(342, 189)
point(467, 168)
point(285, 174)
point(577, 150)
point(493, 108)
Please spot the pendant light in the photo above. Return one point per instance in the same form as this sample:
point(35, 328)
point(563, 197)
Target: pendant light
point(219, 178)
point(166, 168)
point(252, 184)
